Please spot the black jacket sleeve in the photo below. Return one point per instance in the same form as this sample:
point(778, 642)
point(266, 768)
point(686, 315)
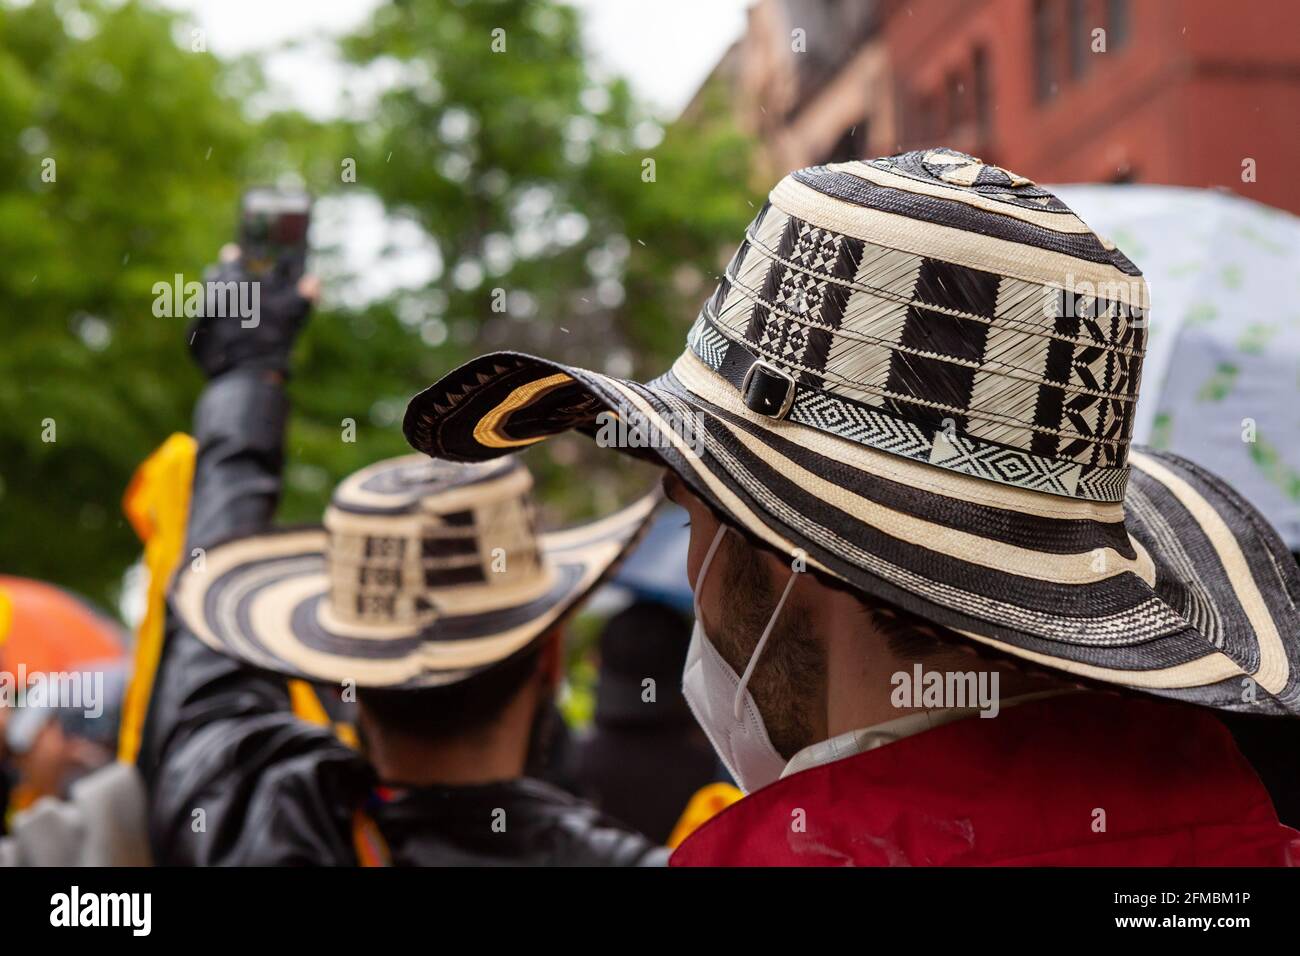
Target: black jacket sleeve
point(234, 777)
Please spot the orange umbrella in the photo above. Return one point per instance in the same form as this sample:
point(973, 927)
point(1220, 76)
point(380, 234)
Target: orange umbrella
point(45, 629)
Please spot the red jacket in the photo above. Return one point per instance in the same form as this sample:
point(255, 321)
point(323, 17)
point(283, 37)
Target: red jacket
point(1026, 788)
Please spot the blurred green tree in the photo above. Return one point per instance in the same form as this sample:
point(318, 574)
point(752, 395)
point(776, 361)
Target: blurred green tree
point(569, 220)
point(119, 153)
point(526, 170)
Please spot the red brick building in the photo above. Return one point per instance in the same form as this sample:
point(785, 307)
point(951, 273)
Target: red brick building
point(1165, 91)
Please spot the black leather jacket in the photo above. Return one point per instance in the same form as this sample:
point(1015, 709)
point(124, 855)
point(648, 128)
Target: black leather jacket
point(235, 778)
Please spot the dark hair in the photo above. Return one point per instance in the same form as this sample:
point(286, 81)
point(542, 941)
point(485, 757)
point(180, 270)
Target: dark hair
point(909, 636)
point(644, 640)
point(435, 714)
point(915, 638)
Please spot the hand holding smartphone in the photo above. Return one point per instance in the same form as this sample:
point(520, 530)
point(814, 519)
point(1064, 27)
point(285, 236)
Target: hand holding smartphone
point(273, 225)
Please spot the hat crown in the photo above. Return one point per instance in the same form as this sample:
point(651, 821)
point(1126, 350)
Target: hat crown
point(939, 308)
point(412, 537)
point(955, 168)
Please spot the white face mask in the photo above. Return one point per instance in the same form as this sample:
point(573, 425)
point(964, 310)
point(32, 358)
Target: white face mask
point(721, 701)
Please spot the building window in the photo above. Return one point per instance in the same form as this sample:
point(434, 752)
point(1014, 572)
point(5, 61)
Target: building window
point(927, 120)
point(1047, 47)
point(852, 144)
point(981, 95)
point(1124, 174)
point(914, 119)
point(1116, 23)
point(1079, 37)
point(954, 95)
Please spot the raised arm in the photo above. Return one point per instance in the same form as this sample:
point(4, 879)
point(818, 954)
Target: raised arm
point(240, 417)
point(219, 735)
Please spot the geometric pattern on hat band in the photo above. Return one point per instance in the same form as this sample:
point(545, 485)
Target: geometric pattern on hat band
point(1012, 381)
point(883, 431)
point(397, 577)
point(397, 565)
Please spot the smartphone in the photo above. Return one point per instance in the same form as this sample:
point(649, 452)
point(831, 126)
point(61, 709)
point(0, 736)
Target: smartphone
point(273, 226)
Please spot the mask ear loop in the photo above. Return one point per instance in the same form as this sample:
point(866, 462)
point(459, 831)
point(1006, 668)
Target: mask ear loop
point(704, 568)
point(762, 642)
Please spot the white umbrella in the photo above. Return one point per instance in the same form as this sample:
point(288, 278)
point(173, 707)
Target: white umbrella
point(1221, 380)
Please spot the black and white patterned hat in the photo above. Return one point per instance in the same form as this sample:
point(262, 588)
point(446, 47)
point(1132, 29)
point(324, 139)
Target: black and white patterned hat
point(423, 573)
point(920, 371)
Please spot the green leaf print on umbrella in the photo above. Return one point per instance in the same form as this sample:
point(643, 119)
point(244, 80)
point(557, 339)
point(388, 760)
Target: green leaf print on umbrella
point(1257, 237)
point(1275, 469)
point(1217, 387)
point(1161, 430)
point(1255, 338)
point(1129, 244)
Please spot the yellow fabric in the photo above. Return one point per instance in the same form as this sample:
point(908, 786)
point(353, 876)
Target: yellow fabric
point(306, 704)
point(157, 503)
point(707, 803)
point(6, 615)
point(348, 734)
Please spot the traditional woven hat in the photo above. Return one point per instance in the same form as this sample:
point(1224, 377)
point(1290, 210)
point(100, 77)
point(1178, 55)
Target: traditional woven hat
point(424, 573)
point(920, 371)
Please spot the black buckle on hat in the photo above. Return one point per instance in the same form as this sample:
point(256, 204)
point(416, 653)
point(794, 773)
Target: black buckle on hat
point(767, 390)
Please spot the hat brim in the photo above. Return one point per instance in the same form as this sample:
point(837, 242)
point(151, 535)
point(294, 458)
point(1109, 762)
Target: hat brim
point(1181, 590)
point(264, 600)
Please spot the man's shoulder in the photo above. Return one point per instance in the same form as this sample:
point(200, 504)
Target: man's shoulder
point(302, 808)
point(1106, 780)
point(523, 822)
point(294, 800)
point(585, 835)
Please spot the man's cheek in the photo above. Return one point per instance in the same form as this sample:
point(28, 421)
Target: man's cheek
point(703, 528)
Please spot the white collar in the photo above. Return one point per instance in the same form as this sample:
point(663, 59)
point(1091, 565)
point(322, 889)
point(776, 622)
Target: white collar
point(854, 742)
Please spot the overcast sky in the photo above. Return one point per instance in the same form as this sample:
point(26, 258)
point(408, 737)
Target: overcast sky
point(665, 48)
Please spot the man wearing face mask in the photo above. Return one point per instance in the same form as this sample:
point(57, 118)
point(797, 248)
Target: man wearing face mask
point(945, 615)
